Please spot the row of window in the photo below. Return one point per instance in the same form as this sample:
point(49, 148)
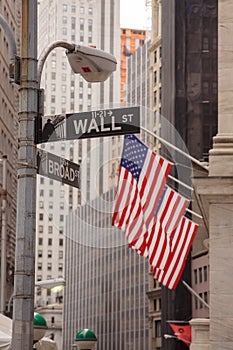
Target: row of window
point(42, 192)
point(49, 266)
point(201, 274)
point(50, 254)
point(74, 8)
point(50, 217)
point(50, 241)
point(41, 205)
point(198, 303)
point(50, 229)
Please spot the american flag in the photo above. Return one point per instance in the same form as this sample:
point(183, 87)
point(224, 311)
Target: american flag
point(168, 215)
point(181, 244)
point(141, 180)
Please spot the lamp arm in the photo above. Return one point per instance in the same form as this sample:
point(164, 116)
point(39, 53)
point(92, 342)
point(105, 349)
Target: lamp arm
point(44, 54)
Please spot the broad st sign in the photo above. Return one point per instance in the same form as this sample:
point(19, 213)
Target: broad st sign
point(58, 168)
point(106, 122)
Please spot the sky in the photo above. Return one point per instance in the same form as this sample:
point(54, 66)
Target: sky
point(133, 14)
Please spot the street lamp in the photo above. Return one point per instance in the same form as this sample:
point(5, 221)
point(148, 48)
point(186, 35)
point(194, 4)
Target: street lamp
point(24, 283)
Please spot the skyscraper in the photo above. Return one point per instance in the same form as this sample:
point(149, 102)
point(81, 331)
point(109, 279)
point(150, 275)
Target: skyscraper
point(85, 23)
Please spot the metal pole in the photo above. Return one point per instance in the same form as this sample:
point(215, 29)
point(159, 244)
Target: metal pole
point(3, 237)
point(24, 282)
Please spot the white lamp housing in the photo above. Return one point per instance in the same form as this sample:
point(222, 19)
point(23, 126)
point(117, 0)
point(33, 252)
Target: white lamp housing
point(94, 65)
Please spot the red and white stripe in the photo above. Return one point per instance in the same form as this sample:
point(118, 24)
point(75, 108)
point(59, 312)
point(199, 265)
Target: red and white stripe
point(181, 244)
point(136, 202)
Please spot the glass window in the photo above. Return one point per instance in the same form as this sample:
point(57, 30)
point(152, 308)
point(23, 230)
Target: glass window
point(60, 242)
point(49, 253)
point(50, 241)
point(49, 266)
point(50, 229)
point(90, 11)
point(81, 9)
point(40, 253)
point(73, 8)
point(41, 216)
point(157, 329)
point(200, 274)
point(64, 7)
point(195, 276)
point(40, 240)
point(205, 272)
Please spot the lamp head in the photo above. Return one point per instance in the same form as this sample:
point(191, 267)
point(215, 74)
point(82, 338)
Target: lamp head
point(92, 64)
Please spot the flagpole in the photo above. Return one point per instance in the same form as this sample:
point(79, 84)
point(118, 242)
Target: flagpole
point(192, 291)
point(194, 160)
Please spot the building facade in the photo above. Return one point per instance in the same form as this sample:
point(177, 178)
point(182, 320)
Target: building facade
point(106, 281)
point(189, 103)
point(10, 11)
point(85, 23)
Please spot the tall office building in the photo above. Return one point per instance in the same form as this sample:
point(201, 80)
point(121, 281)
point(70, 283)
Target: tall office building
point(10, 11)
point(86, 23)
point(131, 39)
point(107, 281)
point(189, 102)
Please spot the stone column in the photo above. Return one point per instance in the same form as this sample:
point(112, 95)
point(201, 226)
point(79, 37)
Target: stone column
point(216, 193)
point(200, 334)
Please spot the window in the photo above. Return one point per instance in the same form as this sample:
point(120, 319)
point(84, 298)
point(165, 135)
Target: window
point(41, 204)
point(41, 228)
point(73, 8)
point(205, 272)
point(60, 254)
point(50, 205)
point(50, 229)
point(64, 7)
point(40, 253)
point(205, 43)
point(60, 266)
point(49, 266)
point(64, 20)
point(60, 242)
point(39, 266)
point(53, 75)
point(40, 241)
point(50, 193)
point(90, 11)
point(64, 31)
point(41, 193)
point(195, 276)
point(206, 297)
point(201, 304)
point(200, 274)
point(50, 217)
point(205, 87)
point(62, 205)
point(53, 64)
point(50, 241)
point(49, 253)
point(41, 180)
point(41, 216)
point(61, 230)
point(81, 10)
point(157, 329)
